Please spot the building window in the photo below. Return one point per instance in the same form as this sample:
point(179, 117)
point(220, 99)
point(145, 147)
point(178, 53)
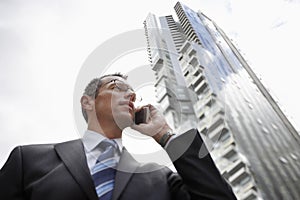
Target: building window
point(245, 180)
point(259, 121)
point(225, 135)
point(294, 156)
point(196, 73)
point(250, 106)
point(265, 130)
point(247, 100)
point(186, 73)
point(274, 126)
point(283, 160)
point(202, 116)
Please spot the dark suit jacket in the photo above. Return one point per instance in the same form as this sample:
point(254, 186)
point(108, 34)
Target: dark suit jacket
point(60, 172)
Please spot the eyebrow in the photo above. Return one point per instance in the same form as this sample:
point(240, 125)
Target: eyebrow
point(102, 85)
point(114, 80)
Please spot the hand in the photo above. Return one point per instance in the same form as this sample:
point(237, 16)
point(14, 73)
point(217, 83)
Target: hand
point(155, 127)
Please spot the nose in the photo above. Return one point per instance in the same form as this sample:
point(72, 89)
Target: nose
point(130, 94)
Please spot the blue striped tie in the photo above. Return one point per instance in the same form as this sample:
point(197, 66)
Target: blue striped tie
point(104, 170)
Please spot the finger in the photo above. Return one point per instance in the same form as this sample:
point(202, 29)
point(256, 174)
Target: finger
point(138, 109)
point(153, 110)
point(140, 127)
point(135, 127)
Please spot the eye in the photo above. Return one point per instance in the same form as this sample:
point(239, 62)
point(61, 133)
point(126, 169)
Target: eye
point(112, 86)
point(122, 86)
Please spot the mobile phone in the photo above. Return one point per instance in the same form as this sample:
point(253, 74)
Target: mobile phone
point(142, 115)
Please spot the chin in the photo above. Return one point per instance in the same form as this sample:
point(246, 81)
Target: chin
point(124, 120)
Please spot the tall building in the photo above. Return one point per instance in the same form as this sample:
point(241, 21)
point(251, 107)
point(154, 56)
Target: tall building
point(203, 81)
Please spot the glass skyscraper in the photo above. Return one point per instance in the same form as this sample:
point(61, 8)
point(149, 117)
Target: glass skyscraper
point(203, 81)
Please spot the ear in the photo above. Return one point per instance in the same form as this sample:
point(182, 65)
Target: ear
point(87, 103)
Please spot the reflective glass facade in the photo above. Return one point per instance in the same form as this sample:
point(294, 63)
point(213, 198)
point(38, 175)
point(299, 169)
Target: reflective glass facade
point(203, 79)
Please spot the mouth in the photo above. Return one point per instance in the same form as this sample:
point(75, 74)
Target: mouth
point(129, 104)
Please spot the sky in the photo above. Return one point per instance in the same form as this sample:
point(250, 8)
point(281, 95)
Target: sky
point(44, 45)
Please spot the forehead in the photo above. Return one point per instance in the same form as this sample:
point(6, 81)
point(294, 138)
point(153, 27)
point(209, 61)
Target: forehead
point(109, 78)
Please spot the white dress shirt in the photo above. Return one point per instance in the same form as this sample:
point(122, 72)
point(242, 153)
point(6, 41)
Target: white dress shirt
point(91, 140)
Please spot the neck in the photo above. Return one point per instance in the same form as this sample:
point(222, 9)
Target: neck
point(110, 131)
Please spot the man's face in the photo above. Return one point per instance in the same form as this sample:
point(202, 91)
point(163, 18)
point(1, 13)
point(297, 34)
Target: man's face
point(115, 102)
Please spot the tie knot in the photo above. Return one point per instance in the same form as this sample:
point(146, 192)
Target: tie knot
point(106, 143)
point(109, 149)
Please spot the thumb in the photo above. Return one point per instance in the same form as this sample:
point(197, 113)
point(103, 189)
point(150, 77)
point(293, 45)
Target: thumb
point(137, 127)
point(145, 129)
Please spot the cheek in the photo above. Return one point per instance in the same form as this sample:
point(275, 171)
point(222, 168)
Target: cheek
point(115, 99)
point(108, 101)
point(103, 105)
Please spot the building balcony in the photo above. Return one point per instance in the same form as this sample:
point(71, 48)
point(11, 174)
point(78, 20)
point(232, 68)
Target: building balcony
point(229, 141)
point(239, 176)
point(234, 167)
point(198, 83)
point(185, 47)
point(229, 152)
point(192, 52)
point(250, 185)
point(189, 78)
point(200, 88)
point(201, 105)
point(215, 122)
point(160, 81)
point(218, 133)
point(165, 103)
point(209, 101)
point(193, 61)
point(249, 195)
point(197, 70)
point(200, 112)
point(157, 62)
point(161, 94)
point(215, 108)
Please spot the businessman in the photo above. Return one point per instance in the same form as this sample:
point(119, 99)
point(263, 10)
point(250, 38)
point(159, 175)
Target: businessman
point(97, 166)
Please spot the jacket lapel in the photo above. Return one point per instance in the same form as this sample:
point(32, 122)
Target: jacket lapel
point(126, 167)
point(73, 156)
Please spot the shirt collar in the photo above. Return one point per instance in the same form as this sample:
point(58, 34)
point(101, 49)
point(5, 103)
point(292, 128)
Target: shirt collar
point(91, 139)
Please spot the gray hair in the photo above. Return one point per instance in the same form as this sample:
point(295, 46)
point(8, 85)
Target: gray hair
point(92, 89)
